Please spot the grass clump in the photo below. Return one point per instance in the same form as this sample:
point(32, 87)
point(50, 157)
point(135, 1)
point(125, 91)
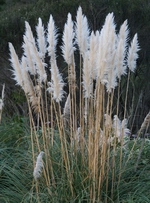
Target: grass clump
point(86, 154)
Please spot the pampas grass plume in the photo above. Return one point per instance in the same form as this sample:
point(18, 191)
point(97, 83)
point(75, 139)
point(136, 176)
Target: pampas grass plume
point(94, 38)
point(39, 166)
point(15, 65)
point(122, 49)
point(29, 57)
point(132, 54)
point(87, 77)
point(68, 36)
point(82, 31)
point(28, 85)
point(106, 53)
point(36, 56)
point(41, 39)
point(110, 76)
point(52, 38)
point(29, 34)
point(56, 85)
point(66, 111)
point(120, 128)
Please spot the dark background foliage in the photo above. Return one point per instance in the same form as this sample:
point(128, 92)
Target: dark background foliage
point(13, 14)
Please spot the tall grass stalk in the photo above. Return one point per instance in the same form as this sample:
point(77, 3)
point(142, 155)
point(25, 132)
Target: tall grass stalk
point(89, 134)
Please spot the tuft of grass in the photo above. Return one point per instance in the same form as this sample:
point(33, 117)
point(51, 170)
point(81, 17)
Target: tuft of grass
point(16, 173)
point(87, 154)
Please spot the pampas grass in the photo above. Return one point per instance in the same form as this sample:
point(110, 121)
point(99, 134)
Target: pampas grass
point(41, 39)
point(82, 31)
point(87, 133)
point(122, 50)
point(132, 53)
point(68, 43)
point(39, 166)
point(52, 38)
point(56, 85)
point(15, 65)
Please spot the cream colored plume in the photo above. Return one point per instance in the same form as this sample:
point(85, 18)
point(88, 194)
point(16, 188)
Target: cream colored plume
point(109, 46)
point(122, 50)
point(52, 38)
point(40, 66)
point(120, 128)
point(87, 77)
point(66, 111)
point(22, 77)
point(56, 85)
point(29, 34)
point(15, 65)
point(36, 56)
point(132, 53)
point(41, 40)
point(93, 47)
point(39, 166)
point(82, 32)
point(105, 67)
point(31, 66)
point(28, 86)
point(68, 44)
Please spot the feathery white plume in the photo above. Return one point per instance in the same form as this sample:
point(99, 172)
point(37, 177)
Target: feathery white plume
point(122, 49)
point(28, 85)
point(92, 52)
point(66, 111)
point(68, 45)
point(105, 67)
point(125, 130)
point(120, 128)
point(56, 85)
point(132, 54)
point(15, 65)
point(52, 38)
point(31, 67)
point(25, 75)
point(20, 71)
point(82, 31)
point(29, 34)
point(41, 41)
point(39, 166)
point(87, 77)
point(39, 65)
point(109, 47)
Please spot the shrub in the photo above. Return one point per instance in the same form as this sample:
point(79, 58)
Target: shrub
point(86, 131)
